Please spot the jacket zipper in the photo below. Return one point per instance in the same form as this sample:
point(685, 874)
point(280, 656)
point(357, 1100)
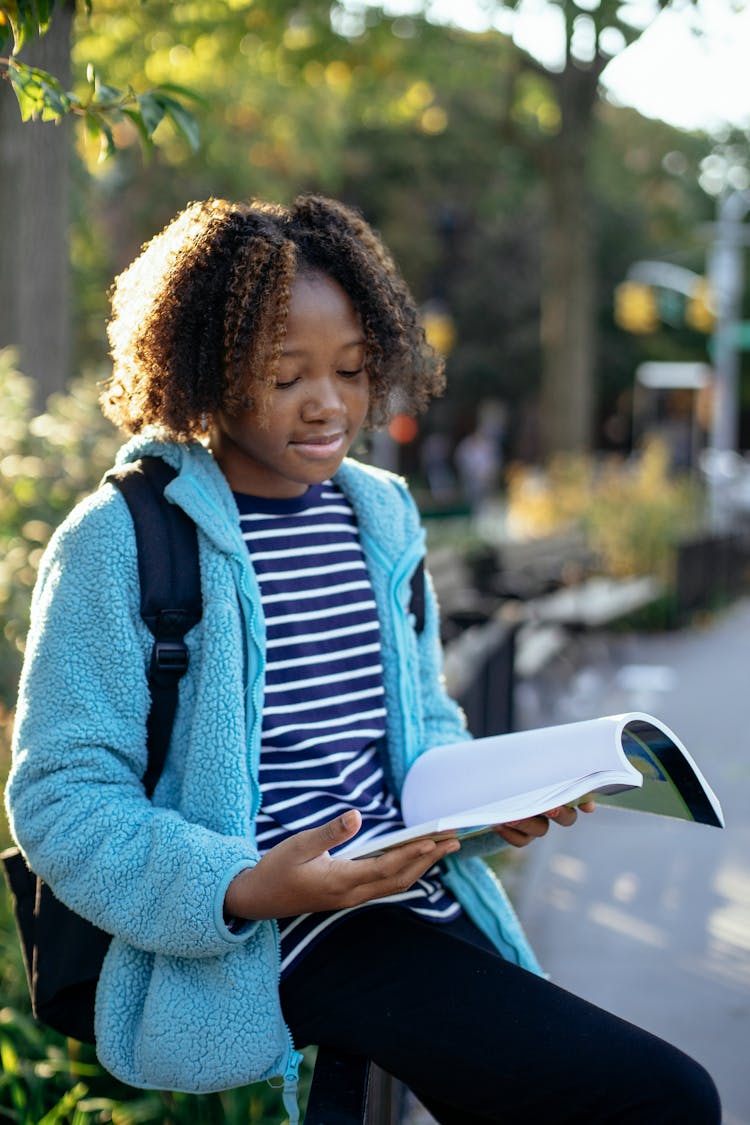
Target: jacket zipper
point(400, 575)
point(294, 1057)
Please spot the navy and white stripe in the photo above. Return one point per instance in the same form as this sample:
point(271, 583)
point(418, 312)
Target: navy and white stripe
point(324, 705)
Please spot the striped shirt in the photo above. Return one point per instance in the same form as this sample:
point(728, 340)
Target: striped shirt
point(324, 704)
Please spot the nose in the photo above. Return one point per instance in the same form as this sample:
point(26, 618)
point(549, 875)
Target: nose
point(324, 400)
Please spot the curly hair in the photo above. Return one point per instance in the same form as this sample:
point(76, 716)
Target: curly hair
point(199, 318)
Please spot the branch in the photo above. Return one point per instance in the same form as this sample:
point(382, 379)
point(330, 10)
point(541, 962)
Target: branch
point(41, 97)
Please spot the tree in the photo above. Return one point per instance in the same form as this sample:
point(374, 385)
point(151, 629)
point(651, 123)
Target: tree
point(456, 144)
point(34, 199)
point(552, 115)
point(35, 169)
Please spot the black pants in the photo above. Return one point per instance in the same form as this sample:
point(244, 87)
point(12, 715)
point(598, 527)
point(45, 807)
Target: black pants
point(478, 1039)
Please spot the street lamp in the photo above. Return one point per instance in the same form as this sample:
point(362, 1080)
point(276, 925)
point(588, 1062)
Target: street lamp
point(726, 280)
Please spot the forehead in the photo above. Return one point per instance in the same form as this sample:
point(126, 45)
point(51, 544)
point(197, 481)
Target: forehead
point(319, 305)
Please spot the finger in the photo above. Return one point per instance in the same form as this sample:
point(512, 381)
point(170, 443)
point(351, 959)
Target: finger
point(513, 836)
point(400, 868)
point(587, 806)
point(417, 853)
point(564, 816)
point(533, 826)
point(519, 833)
point(313, 842)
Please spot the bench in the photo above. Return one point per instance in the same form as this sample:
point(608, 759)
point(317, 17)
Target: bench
point(524, 569)
point(462, 604)
point(350, 1090)
point(595, 603)
point(479, 667)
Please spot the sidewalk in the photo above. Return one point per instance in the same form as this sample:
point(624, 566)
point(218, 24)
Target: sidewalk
point(648, 917)
point(645, 916)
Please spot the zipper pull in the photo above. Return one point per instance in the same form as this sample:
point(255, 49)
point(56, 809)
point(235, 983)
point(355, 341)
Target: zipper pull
point(291, 1084)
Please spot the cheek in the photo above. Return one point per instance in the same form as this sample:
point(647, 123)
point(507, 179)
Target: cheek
point(359, 402)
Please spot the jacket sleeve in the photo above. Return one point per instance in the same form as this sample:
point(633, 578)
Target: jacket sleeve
point(75, 800)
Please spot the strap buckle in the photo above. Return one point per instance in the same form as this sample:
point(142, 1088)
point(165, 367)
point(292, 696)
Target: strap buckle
point(169, 662)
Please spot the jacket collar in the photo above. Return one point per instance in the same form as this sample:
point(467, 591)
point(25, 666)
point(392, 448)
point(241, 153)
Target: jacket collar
point(201, 490)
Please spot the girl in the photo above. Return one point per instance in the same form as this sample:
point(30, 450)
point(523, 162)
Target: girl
point(250, 345)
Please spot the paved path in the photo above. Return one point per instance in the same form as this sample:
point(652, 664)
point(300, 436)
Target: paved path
point(651, 917)
point(645, 916)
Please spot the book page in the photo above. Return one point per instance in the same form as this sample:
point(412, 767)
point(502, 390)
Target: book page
point(673, 785)
point(447, 780)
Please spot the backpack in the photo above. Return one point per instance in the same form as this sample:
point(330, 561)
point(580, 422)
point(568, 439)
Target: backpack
point(63, 953)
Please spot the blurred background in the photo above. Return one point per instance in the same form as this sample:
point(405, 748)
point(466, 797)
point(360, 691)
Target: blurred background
point(566, 186)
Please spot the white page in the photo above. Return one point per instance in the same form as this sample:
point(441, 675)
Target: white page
point(449, 779)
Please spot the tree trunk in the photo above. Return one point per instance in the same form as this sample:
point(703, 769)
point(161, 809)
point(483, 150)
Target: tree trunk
point(568, 329)
point(35, 315)
point(567, 312)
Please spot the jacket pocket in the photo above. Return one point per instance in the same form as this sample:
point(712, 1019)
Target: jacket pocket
point(193, 1024)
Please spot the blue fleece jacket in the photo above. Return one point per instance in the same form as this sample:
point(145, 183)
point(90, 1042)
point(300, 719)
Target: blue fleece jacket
point(183, 1003)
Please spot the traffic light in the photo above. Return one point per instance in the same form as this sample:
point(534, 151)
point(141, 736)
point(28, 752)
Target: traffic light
point(636, 308)
point(699, 310)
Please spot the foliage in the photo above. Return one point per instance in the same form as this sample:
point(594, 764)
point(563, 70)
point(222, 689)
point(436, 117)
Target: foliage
point(47, 463)
point(100, 106)
point(47, 1080)
point(633, 512)
point(383, 116)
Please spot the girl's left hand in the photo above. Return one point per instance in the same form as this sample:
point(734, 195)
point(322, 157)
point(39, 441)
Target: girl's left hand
point(519, 833)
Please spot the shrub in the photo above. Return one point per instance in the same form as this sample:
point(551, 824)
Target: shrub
point(47, 463)
point(633, 512)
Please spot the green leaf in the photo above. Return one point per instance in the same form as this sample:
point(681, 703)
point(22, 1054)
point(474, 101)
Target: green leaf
point(39, 93)
point(184, 92)
point(44, 14)
point(97, 129)
point(152, 112)
point(107, 141)
point(26, 23)
point(60, 1113)
point(147, 145)
point(182, 118)
point(107, 95)
point(91, 125)
point(13, 14)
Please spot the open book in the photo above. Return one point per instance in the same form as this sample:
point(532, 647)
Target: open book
point(631, 761)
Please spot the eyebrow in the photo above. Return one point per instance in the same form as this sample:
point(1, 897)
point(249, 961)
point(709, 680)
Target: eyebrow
point(292, 352)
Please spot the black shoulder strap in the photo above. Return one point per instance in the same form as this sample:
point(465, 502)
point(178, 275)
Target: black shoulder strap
point(417, 603)
point(169, 575)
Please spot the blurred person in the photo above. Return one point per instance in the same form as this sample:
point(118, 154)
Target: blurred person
point(479, 456)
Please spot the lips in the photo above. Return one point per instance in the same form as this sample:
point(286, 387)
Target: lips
point(319, 445)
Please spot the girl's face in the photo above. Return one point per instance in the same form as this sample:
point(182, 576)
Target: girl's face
point(318, 405)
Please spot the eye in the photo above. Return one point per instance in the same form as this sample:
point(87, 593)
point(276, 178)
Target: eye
point(351, 374)
point(284, 384)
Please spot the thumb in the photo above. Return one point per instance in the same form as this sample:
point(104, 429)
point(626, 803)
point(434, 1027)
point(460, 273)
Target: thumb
point(331, 834)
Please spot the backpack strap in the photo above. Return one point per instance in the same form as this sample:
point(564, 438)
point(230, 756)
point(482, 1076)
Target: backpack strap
point(417, 602)
point(169, 574)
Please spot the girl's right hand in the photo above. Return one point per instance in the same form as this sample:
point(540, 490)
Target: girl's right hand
point(299, 876)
